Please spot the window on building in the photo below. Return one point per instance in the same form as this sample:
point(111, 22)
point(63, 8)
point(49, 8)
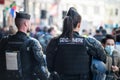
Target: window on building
point(116, 12)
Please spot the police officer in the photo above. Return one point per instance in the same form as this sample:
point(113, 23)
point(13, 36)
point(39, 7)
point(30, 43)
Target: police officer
point(32, 61)
point(70, 54)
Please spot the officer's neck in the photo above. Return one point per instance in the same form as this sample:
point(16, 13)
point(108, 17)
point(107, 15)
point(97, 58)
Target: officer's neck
point(76, 29)
point(22, 30)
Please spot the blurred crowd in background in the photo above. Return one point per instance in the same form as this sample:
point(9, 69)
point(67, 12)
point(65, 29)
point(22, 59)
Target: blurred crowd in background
point(45, 34)
point(47, 17)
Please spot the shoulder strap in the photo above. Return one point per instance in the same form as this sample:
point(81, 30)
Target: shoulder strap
point(113, 61)
point(5, 39)
point(116, 75)
point(3, 43)
point(26, 44)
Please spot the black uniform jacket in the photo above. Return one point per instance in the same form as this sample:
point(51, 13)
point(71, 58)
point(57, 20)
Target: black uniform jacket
point(30, 60)
point(94, 48)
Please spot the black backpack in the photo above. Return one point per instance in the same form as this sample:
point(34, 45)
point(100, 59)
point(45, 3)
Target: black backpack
point(13, 59)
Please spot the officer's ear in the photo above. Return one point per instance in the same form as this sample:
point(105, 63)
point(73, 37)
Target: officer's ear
point(78, 25)
point(26, 23)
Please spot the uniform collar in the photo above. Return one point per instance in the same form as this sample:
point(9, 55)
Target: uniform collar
point(75, 32)
point(21, 33)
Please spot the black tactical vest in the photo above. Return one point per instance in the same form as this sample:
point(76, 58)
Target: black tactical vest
point(72, 57)
point(24, 58)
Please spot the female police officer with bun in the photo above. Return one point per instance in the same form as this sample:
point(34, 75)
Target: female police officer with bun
point(70, 54)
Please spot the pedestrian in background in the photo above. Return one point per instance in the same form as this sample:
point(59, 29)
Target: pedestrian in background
point(98, 35)
point(113, 60)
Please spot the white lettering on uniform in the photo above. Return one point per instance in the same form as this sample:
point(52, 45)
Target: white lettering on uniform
point(74, 40)
point(77, 40)
point(64, 40)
